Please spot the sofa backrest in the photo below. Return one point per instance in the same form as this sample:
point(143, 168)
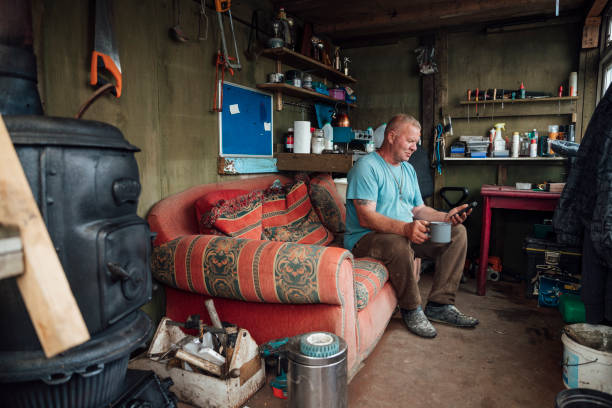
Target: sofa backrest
point(175, 216)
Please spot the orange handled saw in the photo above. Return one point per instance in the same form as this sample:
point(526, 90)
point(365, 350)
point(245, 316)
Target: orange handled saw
point(105, 55)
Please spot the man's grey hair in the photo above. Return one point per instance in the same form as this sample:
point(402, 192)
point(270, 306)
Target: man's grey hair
point(399, 120)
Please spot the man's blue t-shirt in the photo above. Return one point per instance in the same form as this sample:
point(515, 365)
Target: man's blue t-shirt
point(373, 179)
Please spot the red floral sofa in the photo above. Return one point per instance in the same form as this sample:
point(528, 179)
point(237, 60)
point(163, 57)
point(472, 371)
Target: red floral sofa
point(273, 288)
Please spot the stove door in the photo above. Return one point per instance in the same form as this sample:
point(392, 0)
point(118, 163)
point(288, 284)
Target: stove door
point(124, 252)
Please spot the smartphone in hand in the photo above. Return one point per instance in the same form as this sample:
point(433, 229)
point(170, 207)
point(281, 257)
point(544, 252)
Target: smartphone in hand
point(470, 206)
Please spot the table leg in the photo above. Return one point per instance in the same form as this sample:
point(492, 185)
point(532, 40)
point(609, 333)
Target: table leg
point(485, 235)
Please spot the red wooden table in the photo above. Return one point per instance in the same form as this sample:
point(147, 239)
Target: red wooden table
point(509, 198)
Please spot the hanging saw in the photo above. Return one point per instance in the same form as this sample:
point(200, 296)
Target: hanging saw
point(222, 7)
point(105, 53)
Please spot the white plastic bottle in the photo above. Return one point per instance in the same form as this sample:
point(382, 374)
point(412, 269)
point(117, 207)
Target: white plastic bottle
point(379, 135)
point(328, 135)
point(533, 148)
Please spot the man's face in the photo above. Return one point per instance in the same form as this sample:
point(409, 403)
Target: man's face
point(405, 141)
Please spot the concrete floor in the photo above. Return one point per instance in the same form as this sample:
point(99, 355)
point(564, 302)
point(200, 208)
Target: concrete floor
point(512, 359)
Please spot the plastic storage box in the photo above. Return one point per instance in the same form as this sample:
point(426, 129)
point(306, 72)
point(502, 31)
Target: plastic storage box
point(552, 260)
point(337, 93)
point(550, 290)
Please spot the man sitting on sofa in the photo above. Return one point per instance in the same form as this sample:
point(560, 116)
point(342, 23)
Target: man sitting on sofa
point(387, 220)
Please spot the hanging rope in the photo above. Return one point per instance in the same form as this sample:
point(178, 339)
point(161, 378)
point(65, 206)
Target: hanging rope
point(438, 148)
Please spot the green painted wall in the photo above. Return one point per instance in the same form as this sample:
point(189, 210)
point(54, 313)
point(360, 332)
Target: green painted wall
point(168, 87)
point(388, 82)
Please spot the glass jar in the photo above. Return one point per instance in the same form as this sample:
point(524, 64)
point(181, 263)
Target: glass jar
point(317, 143)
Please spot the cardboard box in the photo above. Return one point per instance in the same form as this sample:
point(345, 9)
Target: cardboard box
point(245, 372)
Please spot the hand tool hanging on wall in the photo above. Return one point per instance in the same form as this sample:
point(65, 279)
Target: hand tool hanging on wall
point(223, 6)
point(105, 53)
point(221, 64)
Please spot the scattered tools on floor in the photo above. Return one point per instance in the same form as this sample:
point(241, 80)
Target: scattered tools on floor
point(206, 351)
point(105, 54)
point(203, 373)
point(274, 354)
point(224, 7)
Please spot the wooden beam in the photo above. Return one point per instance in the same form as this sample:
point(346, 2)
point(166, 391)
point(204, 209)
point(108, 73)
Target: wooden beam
point(44, 288)
point(444, 13)
point(330, 163)
point(597, 8)
point(592, 24)
point(587, 89)
point(590, 32)
point(440, 102)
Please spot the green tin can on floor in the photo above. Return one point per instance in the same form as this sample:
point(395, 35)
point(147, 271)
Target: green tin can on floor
point(571, 308)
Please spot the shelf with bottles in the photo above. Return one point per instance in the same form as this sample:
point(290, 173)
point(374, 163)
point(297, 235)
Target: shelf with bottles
point(300, 61)
point(302, 93)
point(504, 159)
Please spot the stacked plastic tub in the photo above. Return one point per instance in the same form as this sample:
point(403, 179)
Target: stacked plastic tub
point(85, 179)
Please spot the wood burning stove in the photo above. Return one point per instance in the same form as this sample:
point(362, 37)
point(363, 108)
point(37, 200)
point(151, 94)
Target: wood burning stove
point(85, 179)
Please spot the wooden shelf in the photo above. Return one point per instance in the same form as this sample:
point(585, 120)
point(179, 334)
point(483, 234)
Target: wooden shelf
point(505, 159)
point(297, 60)
point(303, 93)
point(565, 105)
point(334, 163)
point(526, 100)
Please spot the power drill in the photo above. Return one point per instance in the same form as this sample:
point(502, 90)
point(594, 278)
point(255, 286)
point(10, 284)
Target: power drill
point(274, 354)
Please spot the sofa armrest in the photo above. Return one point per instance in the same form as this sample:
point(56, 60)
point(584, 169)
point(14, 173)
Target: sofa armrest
point(254, 270)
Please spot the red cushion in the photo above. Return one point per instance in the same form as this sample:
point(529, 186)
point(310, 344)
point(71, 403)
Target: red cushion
point(327, 203)
point(288, 216)
point(209, 200)
point(238, 217)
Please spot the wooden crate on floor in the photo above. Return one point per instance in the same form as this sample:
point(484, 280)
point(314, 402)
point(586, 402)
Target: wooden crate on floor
point(203, 390)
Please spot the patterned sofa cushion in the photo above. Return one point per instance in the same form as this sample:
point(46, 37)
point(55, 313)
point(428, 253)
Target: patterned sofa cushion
point(238, 217)
point(207, 202)
point(369, 276)
point(251, 270)
point(288, 216)
point(327, 202)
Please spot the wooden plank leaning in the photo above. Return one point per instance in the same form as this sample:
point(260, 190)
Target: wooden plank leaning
point(44, 288)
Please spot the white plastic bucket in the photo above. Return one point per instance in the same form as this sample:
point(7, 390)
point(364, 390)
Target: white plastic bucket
point(588, 365)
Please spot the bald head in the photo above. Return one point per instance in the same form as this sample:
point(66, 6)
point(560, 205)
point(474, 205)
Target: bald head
point(399, 120)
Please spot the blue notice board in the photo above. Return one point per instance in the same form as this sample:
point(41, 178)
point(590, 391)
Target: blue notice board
point(245, 123)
